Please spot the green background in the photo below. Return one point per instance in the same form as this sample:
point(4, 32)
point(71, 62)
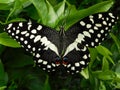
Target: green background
point(17, 69)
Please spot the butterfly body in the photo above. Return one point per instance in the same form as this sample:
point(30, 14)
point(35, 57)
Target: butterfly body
point(67, 49)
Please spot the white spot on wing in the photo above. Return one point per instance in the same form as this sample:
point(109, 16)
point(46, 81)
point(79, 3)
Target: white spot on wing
point(77, 64)
point(33, 49)
point(96, 40)
point(107, 18)
point(27, 34)
point(21, 24)
point(29, 26)
point(38, 55)
point(48, 66)
point(109, 24)
point(37, 38)
point(106, 28)
point(102, 31)
point(88, 26)
point(91, 30)
point(17, 31)
point(32, 36)
point(91, 16)
point(99, 35)
point(45, 62)
point(82, 23)
point(92, 43)
point(13, 34)
point(98, 25)
point(99, 16)
point(22, 39)
point(87, 34)
point(14, 28)
point(92, 20)
point(9, 31)
point(16, 37)
point(82, 62)
point(9, 26)
point(53, 65)
point(85, 56)
point(34, 31)
point(39, 27)
point(23, 32)
point(29, 22)
point(73, 68)
point(112, 20)
point(29, 46)
point(104, 23)
point(40, 61)
point(111, 15)
point(96, 28)
point(69, 65)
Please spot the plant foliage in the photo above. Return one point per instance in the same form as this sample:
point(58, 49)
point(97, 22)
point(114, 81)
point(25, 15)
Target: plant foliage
point(17, 69)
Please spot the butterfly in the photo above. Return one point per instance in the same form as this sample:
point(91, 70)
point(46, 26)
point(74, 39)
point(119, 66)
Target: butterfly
point(53, 50)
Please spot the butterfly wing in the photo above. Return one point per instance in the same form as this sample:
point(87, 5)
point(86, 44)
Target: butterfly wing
point(41, 41)
point(92, 30)
point(88, 32)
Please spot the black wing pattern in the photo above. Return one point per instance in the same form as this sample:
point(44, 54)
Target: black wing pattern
point(47, 45)
point(36, 39)
point(88, 32)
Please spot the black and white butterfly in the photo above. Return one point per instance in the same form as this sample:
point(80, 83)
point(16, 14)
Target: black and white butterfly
point(64, 49)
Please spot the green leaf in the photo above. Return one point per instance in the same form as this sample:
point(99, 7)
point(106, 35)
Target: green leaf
point(6, 1)
point(93, 56)
point(105, 75)
point(2, 73)
point(15, 58)
point(52, 16)
point(7, 41)
point(105, 64)
point(105, 52)
point(42, 9)
point(60, 8)
point(85, 73)
point(14, 20)
point(16, 9)
point(102, 86)
point(46, 85)
point(1, 48)
point(116, 40)
point(5, 6)
point(3, 77)
point(75, 15)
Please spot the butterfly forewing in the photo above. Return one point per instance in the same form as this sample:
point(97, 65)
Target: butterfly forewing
point(92, 30)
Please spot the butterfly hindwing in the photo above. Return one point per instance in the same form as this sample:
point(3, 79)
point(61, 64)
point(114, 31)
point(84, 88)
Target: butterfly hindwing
point(77, 59)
